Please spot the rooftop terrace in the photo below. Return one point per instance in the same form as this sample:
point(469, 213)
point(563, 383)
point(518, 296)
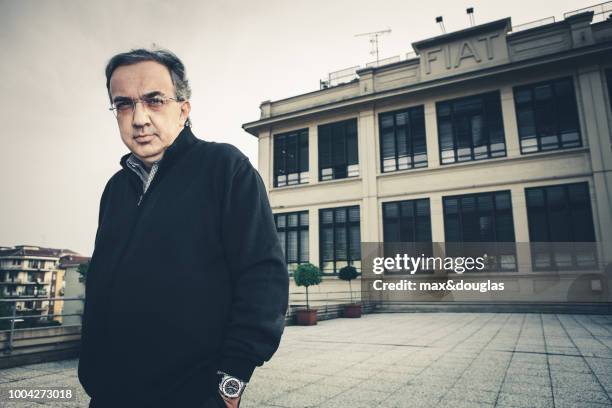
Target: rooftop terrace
point(414, 360)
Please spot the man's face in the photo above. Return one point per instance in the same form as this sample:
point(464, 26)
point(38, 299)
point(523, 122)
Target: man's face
point(147, 133)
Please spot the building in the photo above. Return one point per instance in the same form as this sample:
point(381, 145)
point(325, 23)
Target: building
point(32, 272)
point(74, 287)
point(486, 135)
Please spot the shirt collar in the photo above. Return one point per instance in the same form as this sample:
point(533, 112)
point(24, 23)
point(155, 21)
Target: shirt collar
point(138, 167)
point(183, 141)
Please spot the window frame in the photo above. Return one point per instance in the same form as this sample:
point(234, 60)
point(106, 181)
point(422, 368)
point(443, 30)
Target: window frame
point(347, 227)
point(410, 137)
point(608, 75)
point(321, 129)
point(413, 203)
point(413, 245)
point(488, 117)
point(460, 245)
point(537, 124)
point(300, 166)
point(548, 246)
point(298, 228)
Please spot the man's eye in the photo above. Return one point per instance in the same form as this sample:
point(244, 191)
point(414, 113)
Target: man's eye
point(154, 101)
point(123, 105)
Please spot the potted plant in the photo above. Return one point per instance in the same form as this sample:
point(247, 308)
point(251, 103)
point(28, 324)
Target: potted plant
point(348, 273)
point(306, 275)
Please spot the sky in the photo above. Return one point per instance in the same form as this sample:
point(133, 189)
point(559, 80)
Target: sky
point(59, 144)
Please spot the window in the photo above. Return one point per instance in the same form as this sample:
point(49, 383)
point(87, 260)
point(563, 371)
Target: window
point(402, 139)
point(547, 116)
point(609, 81)
point(339, 239)
point(485, 219)
point(292, 230)
point(407, 223)
point(471, 128)
point(561, 215)
point(338, 150)
point(291, 158)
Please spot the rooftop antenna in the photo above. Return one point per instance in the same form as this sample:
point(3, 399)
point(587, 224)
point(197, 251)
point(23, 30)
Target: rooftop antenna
point(374, 40)
point(470, 13)
point(440, 21)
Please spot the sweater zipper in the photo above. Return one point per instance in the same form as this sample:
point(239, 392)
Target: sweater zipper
point(145, 188)
point(149, 182)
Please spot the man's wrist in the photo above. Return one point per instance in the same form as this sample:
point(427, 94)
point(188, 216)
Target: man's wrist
point(230, 387)
point(230, 402)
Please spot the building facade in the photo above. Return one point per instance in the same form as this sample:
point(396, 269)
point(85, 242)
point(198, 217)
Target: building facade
point(74, 287)
point(33, 273)
point(486, 136)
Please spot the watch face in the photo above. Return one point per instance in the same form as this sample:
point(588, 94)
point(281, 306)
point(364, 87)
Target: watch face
point(231, 387)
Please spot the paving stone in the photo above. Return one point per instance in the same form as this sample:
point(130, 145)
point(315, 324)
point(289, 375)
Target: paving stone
point(571, 394)
point(527, 388)
point(467, 394)
point(522, 400)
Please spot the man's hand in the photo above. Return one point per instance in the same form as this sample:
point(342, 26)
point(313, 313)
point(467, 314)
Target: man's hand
point(230, 403)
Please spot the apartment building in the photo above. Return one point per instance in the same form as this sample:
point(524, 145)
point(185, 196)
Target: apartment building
point(489, 135)
point(33, 273)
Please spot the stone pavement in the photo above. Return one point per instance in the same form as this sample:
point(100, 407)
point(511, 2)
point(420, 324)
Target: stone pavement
point(416, 360)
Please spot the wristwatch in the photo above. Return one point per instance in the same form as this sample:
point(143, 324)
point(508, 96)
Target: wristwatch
point(229, 386)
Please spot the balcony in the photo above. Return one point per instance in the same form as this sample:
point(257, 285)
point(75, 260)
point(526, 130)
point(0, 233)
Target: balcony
point(22, 282)
point(23, 307)
point(11, 282)
point(7, 267)
point(24, 268)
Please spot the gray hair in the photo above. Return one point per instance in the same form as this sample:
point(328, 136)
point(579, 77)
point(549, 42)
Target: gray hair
point(167, 58)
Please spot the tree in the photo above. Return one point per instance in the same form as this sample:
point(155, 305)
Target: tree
point(307, 274)
point(348, 273)
point(82, 269)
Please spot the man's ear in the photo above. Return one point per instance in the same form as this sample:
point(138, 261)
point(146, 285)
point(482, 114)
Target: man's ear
point(185, 110)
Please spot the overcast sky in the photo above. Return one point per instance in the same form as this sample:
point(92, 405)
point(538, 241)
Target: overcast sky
point(59, 144)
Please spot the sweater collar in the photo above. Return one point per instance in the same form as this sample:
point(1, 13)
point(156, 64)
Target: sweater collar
point(182, 142)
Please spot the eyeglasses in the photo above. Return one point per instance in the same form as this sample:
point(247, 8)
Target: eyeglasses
point(125, 107)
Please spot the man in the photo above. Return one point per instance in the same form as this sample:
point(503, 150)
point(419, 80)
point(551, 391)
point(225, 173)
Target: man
point(187, 287)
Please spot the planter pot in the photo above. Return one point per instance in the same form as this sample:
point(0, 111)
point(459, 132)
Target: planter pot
point(306, 317)
point(352, 311)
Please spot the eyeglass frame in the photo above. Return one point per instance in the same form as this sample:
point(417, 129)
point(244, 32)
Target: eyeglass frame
point(142, 100)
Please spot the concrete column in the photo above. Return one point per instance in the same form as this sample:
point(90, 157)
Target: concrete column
point(521, 228)
point(437, 217)
point(367, 135)
point(313, 154)
point(437, 226)
point(431, 132)
point(264, 158)
point(313, 235)
point(596, 130)
point(580, 29)
point(513, 148)
point(366, 81)
point(265, 109)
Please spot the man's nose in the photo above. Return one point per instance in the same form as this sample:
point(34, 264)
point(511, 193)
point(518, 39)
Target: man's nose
point(141, 115)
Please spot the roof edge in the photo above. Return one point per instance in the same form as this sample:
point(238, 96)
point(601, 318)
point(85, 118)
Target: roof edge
point(504, 23)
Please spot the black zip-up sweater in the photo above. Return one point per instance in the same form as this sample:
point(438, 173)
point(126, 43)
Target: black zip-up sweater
point(189, 281)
